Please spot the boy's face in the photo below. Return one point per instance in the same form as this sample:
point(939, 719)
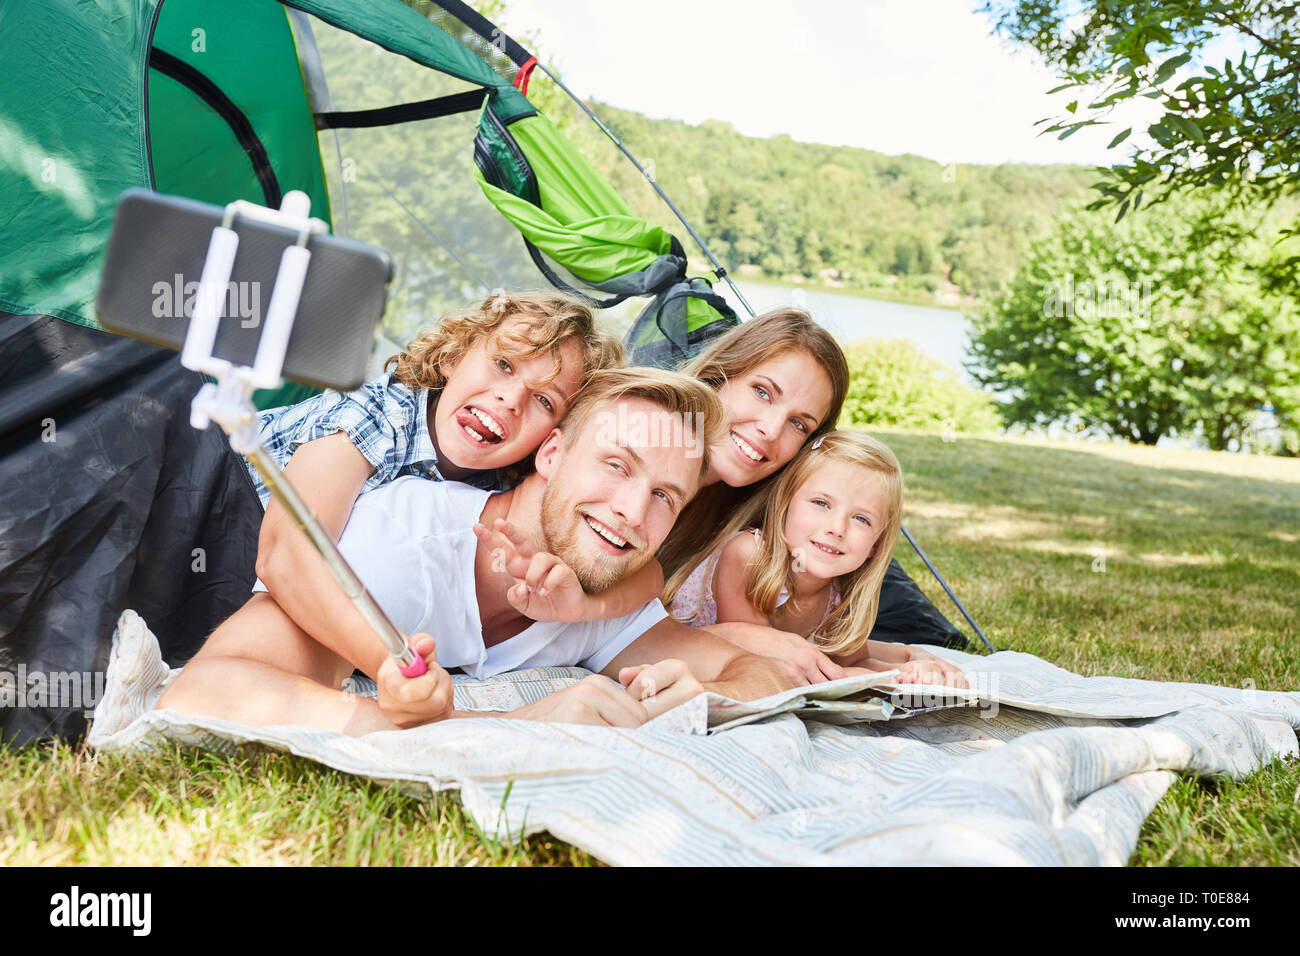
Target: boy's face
point(612, 484)
point(494, 411)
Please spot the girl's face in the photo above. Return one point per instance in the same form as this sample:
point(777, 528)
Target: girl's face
point(834, 519)
point(771, 410)
point(493, 411)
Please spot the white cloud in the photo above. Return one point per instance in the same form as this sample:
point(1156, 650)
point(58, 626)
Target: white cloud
point(923, 77)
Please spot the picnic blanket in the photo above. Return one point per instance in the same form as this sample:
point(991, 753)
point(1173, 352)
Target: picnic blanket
point(1033, 765)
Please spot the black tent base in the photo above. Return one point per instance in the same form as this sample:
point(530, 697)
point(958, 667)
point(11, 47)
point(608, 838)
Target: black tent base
point(108, 500)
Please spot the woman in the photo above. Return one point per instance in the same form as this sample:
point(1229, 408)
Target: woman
point(782, 379)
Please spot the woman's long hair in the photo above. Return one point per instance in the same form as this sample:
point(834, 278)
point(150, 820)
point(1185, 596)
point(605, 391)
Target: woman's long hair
point(734, 354)
point(771, 571)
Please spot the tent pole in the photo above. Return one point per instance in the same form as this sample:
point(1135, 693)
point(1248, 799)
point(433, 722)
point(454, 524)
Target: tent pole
point(717, 266)
point(743, 301)
point(938, 577)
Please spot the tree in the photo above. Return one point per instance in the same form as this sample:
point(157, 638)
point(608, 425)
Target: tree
point(1232, 125)
point(1157, 326)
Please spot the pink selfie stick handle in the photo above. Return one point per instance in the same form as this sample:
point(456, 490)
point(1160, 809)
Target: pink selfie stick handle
point(417, 667)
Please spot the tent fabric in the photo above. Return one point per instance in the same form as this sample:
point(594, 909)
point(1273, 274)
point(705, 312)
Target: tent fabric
point(194, 149)
point(62, 168)
point(110, 513)
point(109, 500)
point(569, 214)
point(71, 140)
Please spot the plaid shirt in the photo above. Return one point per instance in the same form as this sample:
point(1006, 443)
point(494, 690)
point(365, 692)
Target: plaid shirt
point(387, 422)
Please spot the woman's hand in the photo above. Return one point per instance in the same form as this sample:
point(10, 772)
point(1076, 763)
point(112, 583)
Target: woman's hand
point(798, 658)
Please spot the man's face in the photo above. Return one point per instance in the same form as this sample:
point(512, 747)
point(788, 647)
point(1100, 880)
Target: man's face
point(613, 492)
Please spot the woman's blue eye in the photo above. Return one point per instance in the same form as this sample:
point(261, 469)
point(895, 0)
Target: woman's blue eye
point(615, 465)
point(762, 392)
point(799, 425)
point(863, 519)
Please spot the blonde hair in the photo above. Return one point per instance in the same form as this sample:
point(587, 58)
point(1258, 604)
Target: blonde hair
point(549, 320)
point(734, 354)
point(771, 571)
point(692, 402)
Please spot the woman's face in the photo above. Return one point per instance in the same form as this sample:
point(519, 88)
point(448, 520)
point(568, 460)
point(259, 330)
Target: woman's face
point(771, 411)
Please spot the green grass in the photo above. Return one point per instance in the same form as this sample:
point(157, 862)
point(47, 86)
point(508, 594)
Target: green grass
point(64, 806)
point(1201, 583)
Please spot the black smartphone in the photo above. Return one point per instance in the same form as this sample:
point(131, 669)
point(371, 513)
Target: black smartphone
point(151, 278)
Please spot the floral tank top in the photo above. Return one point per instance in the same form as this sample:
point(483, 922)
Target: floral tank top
point(695, 605)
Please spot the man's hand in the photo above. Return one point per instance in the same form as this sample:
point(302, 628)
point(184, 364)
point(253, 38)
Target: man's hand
point(798, 659)
point(593, 700)
point(411, 701)
point(660, 687)
point(541, 586)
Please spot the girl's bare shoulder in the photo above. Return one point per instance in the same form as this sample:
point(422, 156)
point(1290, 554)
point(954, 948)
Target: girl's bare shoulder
point(740, 550)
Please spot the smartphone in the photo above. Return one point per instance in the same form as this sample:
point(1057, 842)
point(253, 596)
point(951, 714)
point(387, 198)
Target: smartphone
point(151, 278)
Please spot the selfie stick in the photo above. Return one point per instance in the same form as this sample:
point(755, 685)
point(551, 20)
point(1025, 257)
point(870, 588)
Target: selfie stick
point(229, 401)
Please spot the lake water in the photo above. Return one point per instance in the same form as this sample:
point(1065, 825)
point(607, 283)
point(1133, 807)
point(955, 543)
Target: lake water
point(939, 333)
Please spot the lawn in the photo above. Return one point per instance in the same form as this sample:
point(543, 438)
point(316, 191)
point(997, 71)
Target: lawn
point(1106, 559)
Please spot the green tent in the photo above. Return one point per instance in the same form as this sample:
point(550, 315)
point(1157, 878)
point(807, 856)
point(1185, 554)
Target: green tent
point(244, 100)
point(407, 123)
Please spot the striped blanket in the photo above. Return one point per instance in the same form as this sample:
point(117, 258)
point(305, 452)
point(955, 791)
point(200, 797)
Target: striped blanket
point(1034, 765)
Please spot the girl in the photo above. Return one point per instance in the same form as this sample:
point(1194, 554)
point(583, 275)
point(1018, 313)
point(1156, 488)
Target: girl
point(808, 558)
point(471, 399)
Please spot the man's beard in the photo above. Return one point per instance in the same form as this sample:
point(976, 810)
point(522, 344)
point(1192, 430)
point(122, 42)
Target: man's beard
point(560, 532)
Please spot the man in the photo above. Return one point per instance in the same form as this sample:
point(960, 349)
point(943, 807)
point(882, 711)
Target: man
point(609, 483)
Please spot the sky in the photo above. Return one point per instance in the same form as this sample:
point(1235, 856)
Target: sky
point(896, 76)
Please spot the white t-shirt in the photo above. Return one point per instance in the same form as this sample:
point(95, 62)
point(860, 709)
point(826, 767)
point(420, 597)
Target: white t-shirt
point(412, 544)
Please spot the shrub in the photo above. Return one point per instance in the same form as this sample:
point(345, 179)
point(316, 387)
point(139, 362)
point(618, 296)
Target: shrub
point(892, 382)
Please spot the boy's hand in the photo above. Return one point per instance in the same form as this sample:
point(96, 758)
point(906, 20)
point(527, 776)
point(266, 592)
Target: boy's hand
point(542, 586)
point(411, 701)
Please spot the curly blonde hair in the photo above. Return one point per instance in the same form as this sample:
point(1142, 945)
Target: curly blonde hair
point(549, 320)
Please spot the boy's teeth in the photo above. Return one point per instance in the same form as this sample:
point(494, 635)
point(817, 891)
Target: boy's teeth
point(746, 447)
point(473, 434)
point(487, 420)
